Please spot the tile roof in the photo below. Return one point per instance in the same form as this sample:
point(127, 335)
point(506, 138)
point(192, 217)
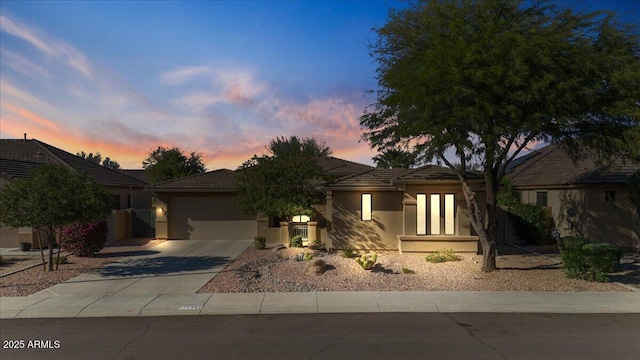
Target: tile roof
point(389, 178)
point(378, 178)
point(15, 169)
point(340, 167)
point(551, 166)
point(140, 174)
point(37, 152)
point(217, 180)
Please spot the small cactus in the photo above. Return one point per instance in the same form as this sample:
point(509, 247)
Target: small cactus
point(367, 261)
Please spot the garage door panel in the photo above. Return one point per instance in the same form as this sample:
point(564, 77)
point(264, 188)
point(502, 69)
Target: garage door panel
point(209, 218)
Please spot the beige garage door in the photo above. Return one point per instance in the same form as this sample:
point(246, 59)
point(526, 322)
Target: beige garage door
point(208, 217)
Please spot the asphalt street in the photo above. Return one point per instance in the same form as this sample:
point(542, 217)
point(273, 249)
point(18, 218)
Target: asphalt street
point(327, 336)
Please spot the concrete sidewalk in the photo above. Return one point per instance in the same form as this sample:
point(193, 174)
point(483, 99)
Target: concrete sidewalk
point(70, 306)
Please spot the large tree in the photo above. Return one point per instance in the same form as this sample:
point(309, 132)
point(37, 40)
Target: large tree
point(469, 82)
point(394, 158)
point(167, 164)
point(284, 182)
point(51, 198)
point(97, 158)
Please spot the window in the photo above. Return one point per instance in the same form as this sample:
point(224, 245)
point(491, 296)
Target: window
point(115, 202)
point(610, 196)
point(541, 198)
point(366, 207)
point(436, 215)
point(422, 214)
point(128, 201)
point(301, 219)
point(449, 214)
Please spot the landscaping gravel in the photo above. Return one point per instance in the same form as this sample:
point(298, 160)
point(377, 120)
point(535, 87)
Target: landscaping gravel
point(34, 279)
point(277, 271)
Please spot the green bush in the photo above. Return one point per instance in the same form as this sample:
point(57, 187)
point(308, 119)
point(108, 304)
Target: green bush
point(296, 241)
point(84, 239)
point(347, 252)
point(588, 261)
point(260, 242)
point(406, 270)
point(532, 223)
point(367, 261)
point(317, 245)
point(303, 257)
point(571, 242)
point(443, 255)
point(61, 260)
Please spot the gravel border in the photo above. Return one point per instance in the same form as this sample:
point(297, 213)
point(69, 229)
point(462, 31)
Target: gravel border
point(275, 270)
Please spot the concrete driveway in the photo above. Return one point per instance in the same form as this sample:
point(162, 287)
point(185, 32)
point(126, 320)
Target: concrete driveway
point(173, 267)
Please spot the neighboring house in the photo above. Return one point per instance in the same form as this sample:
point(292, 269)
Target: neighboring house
point(18, 157)
point(410, 210)
point(585, 199)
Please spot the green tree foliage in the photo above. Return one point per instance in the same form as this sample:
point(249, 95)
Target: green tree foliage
point(97, 158)
point(394, 159)
point(483, 79)
point(284, 183)
point(52, 197)
point(294, 146)
point(167, 164)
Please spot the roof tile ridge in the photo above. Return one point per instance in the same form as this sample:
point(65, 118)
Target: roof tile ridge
point(45, 147)
point(540, 154)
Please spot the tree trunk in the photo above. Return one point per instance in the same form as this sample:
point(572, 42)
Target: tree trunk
point(52, 238)
point(44, 263)
point(478, 222)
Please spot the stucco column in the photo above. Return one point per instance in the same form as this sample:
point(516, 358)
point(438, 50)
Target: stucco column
point(284, 233)
point(312, 227)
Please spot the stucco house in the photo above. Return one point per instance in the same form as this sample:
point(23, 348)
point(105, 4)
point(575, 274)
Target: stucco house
point(409, 210)
point(19, 157)
point(585, 198)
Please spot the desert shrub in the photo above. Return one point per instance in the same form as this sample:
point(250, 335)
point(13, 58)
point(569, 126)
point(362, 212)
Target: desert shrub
point(588, 261)
point(367, 261)
point(317, 245)
point(571, 242)
point(319, 267)
point(406, 270)
point(61, 260)
point(1, 260)
point(347, 252)
point(443, 255)
point(260, 242)
point(296, 241)
point(303, 257)
point(84, 239)
point(533, 224)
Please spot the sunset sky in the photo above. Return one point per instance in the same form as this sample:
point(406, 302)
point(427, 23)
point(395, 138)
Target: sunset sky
point(219, 78)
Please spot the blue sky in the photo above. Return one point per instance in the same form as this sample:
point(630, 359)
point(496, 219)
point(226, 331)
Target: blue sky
point(220, 78)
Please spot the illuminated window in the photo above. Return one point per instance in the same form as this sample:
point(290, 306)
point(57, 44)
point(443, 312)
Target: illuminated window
point(435, 214)
point(449, 208)
point(366, 207)
point(422, 214)
point(301, 219)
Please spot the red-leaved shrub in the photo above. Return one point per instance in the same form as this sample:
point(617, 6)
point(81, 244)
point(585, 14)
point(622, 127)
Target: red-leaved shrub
point(84, 239)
